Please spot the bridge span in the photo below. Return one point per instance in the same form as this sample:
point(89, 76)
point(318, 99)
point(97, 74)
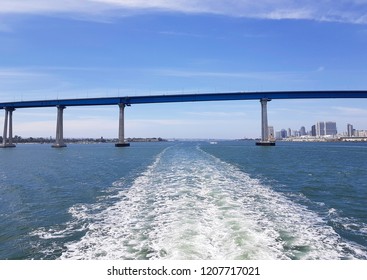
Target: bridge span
point(122, 102)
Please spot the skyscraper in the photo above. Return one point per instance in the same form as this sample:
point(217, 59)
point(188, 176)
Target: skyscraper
point(320, 129)
point(313, 130)
point(350, 130)
point(283, 133)
point(330, 128)
point(302, 131)
point(326, 128)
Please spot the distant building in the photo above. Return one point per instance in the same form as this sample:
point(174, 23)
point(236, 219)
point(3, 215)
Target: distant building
point(361, 133)
point(302, 131)
point(320, 129)
point(326, 128)
point(283, 133)
point(330, 128)
point(350, 130)
point(289, 132)
point(278, 135)
point(313, 130)
point(271, 132)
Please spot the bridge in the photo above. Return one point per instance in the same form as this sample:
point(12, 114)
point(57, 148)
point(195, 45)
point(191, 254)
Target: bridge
point(122, 102)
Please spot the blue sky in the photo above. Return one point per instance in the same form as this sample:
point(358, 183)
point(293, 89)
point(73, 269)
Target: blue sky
point(96, 48)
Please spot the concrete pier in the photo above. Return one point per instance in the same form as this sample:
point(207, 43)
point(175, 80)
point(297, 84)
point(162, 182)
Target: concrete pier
point(121, 142)
point(265, 141)
point(59, 128)
point(8, 126)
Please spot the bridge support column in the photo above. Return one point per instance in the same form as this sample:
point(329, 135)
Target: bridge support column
point(59, 128)
point(121, 142)
point(8, 123)
point(265, 141)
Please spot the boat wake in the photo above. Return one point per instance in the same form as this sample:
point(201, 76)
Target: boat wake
point(191, 205)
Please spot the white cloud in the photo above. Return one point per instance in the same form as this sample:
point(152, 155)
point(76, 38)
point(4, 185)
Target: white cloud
point(35, 6)
point(353, 11)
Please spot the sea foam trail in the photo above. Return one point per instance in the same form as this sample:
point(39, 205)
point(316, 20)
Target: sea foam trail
point(191, 205)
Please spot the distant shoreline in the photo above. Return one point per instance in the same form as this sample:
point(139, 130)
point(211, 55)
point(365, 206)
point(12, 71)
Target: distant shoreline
point(42, 140)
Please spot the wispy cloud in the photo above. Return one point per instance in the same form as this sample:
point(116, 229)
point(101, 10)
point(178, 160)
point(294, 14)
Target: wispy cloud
point(5, 28)
point(10, 77)
point(276, 75)
point(351, 111)
point(182, 34)
point(211, 114)
point(6, 73)
point(352, 11)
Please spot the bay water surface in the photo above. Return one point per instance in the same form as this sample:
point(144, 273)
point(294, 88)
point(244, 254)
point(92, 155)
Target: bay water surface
point(184, 200)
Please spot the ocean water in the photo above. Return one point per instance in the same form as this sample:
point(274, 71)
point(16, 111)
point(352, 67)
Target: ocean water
point(184, 200)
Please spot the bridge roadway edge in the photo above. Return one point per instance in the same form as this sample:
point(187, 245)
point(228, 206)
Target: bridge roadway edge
point(146, 99)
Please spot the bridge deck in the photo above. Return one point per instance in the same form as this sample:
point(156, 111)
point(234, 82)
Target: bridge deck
point(187, 98)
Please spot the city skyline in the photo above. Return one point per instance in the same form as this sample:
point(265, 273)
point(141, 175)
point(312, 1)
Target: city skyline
point(320, 129)
point(104, 48)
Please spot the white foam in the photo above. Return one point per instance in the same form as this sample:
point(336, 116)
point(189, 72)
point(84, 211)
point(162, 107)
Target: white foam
point(190, 205)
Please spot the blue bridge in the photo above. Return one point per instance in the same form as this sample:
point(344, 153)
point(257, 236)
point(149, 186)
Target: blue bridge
point(264, 97)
